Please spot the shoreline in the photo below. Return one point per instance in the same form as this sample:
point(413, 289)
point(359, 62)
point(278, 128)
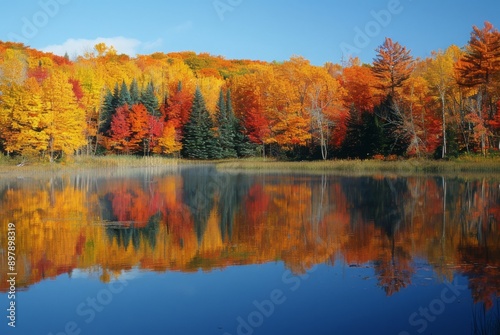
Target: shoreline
point(464, 165)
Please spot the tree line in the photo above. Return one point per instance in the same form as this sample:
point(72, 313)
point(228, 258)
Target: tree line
point(200, 106)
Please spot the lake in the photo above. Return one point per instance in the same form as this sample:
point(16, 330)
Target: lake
point(193, 250)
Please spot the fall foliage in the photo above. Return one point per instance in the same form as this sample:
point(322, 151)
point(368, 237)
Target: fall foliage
point(440, 106)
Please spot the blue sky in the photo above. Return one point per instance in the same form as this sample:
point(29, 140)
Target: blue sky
point(321, 31)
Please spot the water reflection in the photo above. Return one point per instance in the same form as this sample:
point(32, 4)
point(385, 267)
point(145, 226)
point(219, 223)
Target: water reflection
point(203, 219)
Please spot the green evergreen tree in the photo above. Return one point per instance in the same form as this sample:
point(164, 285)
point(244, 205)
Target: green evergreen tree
point(109, 106)
point(452, 146)
point(199, 141)
point(226, 127)
point(244, 147)
point(135, 95)
point(372, 135)
point(395, 140)
point(116, 97)
point(242, 144)
point(149, 100)
point(124, 96)
point(221, 106)
point(352, 143)
point(364, 136)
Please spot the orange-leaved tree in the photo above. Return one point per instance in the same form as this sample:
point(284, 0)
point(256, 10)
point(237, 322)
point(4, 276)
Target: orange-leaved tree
point(392, 66)
point(479, 70)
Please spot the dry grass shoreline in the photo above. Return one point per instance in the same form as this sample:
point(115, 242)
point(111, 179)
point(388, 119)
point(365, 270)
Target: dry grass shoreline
point(463, 165)
point(483, 165)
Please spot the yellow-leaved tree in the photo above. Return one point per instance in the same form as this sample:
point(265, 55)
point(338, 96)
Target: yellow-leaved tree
point(442, 83)
point(66, 119)
point(13, 73)
point(169, 142)
point(90, 76)
point(28, 128)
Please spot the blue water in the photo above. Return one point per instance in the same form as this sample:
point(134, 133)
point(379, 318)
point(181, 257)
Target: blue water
point(253, 299)
point(254, 254)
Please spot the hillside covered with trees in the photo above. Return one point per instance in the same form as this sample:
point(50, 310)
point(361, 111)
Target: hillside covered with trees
point(200, 106)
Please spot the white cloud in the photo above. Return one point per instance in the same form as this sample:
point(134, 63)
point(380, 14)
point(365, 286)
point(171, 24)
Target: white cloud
point(123, 45)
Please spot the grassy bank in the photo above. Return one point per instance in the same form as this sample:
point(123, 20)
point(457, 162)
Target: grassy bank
point(465, 164)
point(459, 165)
point(18, 167)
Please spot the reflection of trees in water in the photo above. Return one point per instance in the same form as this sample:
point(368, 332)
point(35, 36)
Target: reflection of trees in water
point(382, 201)
point(477, 214)
point(133, 209)
point(204, 188)
point(124, 234)
point(319, 205)
point(486, 320)
point(395, 273)
point(480, 265)
point(236, 187)
point(448, 220)
point(199, 189)
point(300, 220)
point(130, 231)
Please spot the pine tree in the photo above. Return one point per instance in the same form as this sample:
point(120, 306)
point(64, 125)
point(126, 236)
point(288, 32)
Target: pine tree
point(107, 111)
point(124, 96)
point(116, 96)
point(244, 147)
point(479, 68)
point(242, 144)
point(149, 100)
point(352, 141)
point(221, 106)
point(364, 136)
point(226, 127)
point(135, 95)
point(199, 141)
point(392, 66)
point(395, 138)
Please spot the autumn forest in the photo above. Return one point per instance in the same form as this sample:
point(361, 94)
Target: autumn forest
point(200, 106)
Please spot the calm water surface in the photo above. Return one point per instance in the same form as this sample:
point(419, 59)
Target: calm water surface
point(196, 251)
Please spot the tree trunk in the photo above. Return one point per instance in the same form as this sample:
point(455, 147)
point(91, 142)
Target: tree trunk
point(443, 153)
